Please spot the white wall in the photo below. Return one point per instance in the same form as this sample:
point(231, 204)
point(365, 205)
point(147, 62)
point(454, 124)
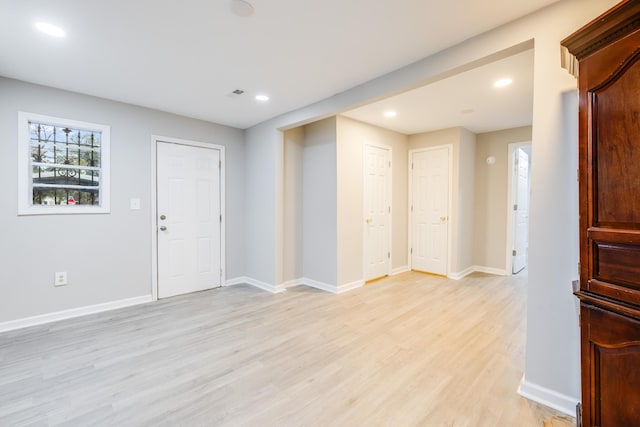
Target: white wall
point(492, 195)
point(552, 362)
point(107, 256)
point(352, 136)
point(319, 201)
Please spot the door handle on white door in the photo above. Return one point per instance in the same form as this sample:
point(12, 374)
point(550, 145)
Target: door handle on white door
point(163, 217)
point(443, 218)
point(369, 220)
point(163, 228)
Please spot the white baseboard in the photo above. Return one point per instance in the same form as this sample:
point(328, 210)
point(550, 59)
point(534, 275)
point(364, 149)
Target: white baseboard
point(400, 270)
point(291, 283)
point(463, 273)
point(274, 289)
point(318, 285)
point(350, 286)
point(235, 281)
point(544, 396)
point(73, 312)
point(490, 270)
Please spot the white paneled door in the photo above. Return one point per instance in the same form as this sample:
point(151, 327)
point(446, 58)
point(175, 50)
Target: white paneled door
point(377, 211)
point(521, 212)
point(188, 222)
point(430, 210)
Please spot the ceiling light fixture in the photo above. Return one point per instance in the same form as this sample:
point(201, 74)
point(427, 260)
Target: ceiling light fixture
point(49, 29)
point(241, 8)
point(502, 82)
point(389, 114)
point(262, 98)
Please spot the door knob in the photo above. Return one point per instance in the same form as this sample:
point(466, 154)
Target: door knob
point(163, 217)
point(163, 228)
point(369, 220)
point(443, 218)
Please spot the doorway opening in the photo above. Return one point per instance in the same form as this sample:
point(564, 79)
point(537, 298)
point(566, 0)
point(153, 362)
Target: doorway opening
point(519, 191)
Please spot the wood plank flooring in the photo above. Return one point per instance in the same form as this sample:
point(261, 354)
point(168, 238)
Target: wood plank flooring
point(411, 350)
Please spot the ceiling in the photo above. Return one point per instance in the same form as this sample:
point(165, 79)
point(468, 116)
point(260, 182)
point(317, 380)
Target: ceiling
point(185, 57)
point(468, 99)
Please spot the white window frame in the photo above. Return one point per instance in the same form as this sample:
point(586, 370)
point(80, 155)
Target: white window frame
point(25, 179)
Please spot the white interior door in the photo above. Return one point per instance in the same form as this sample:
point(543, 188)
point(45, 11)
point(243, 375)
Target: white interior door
point(189, 225)
point(430, 210)
point(521, 211)
point(377, 211)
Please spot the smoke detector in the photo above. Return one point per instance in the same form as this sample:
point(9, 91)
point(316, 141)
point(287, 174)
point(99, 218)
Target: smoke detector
point(241, 8)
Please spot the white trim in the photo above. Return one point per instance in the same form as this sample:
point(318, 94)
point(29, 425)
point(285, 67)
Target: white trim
point(274, 289)
point(449, 148)
point(235, 281)
point(491, 270)
point(399, 270)
point(462, 274)
point(509, 244)
point(155, 139)
point(477, 269)
point(318, 285)
point(291, 283)
point(547, 397)
point(71, 313)
point(25, 181)
point(350, 286)
point(389, 183)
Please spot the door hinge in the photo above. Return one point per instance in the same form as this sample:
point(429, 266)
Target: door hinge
point(411, 251)
point(514, 252)
point(515, 207)
point(411, 208)
point(389, 163)
point(389, 209)
point(219, 164)
point(389, 255)
point(411, 165)
point(220, 218)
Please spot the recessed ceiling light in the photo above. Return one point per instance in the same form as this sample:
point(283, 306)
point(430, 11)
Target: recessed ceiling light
point(389, 114)
point(502, 82)
point(262, 98)
point(241, 8)
point(49, 29)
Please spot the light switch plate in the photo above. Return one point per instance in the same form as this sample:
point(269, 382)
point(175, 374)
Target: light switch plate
point(134, 204)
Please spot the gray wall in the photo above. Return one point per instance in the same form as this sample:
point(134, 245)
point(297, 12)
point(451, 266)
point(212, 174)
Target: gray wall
point(107, 256)
point(319, 201)
point(492, 195)
point(293, 208)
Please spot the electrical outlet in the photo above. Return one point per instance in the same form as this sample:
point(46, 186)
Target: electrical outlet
point(60, 278)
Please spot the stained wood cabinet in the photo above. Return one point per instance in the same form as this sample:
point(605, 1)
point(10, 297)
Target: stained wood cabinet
point(608, 55)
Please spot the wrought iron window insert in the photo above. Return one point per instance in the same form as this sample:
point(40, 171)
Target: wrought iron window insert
point(65, 165)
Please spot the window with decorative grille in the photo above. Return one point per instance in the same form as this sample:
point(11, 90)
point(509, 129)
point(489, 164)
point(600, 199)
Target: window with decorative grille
point(64, 166)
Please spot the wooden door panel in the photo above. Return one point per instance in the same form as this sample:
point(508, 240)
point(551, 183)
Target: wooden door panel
point(615, 112)
point(613, 343)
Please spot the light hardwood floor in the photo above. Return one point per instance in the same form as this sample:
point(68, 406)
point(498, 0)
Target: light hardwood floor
point(409, 350)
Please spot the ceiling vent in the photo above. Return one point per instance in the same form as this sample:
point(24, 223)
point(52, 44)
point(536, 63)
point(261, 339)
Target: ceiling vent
point(236, 93)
